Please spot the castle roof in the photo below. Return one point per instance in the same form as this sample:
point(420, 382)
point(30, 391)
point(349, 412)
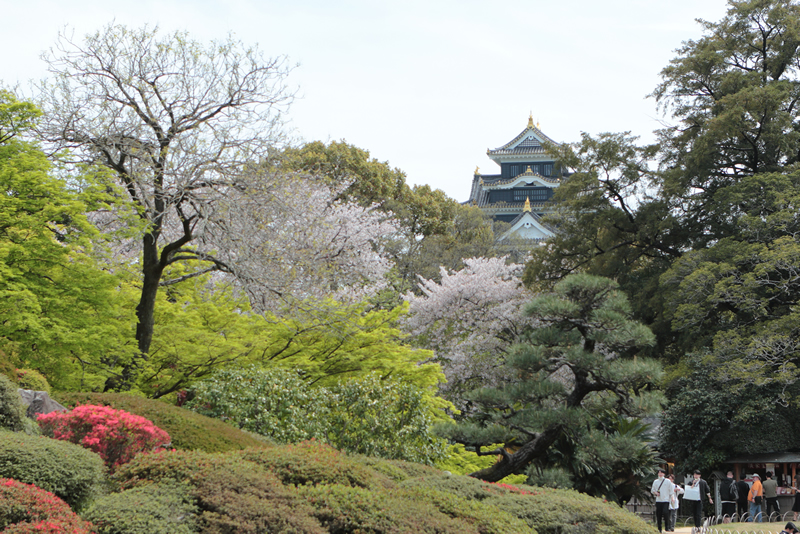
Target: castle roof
point(529, 142)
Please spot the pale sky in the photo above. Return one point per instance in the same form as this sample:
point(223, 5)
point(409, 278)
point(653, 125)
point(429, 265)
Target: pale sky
point(426, 85)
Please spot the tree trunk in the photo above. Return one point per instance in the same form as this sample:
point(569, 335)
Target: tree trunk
point(514, 463)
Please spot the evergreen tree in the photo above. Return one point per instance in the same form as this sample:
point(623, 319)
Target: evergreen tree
point(581, 362)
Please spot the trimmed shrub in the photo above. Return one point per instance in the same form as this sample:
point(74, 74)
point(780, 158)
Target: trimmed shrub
point(232, 495)
point(116, 435)
point(554, 511)
point(156, 508)
point(312, 462)
point(548, 511)
point(345, 509)
point(32, 379)
point(12, 412)
point(188, 430)
point(69, 471)
point(24, 508)
point(397, 470)
point(486, 518)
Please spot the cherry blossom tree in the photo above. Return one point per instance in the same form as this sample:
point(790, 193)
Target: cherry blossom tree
point(287, 240)
point(470, 319)
point(173, 121)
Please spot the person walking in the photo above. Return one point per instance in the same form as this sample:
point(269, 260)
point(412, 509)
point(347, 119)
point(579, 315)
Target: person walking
point(693, 495)
point(663, 490)
point(770, 486)
point(755, 496)
point(674, 504)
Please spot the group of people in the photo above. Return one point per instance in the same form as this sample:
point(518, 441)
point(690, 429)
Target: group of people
point(737, 497)
point(666, 492)
point(757, 500)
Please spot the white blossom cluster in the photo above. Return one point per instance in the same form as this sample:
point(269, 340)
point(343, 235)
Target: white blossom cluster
point(470, 319)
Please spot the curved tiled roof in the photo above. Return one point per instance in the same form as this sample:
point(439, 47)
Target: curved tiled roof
point(522, 148)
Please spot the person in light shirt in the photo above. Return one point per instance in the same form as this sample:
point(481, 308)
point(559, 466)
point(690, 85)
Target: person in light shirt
point(673, 505)
point(662, 489)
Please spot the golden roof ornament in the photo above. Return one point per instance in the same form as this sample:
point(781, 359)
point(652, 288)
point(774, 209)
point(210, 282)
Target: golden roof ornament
point(529, 170)
point(527, 207)
point(530, 120)
point(477, 170)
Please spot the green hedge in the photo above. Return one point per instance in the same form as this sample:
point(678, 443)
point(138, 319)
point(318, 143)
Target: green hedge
point(548, 511)
point(188, 430)
point(313, 462)
point(69, 471)
point(12, 411)
point(346, 510)
point(232, 495)
point(156, 508)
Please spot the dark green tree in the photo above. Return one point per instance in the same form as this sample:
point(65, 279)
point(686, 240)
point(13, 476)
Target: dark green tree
point(581, 362)
point(734, 94)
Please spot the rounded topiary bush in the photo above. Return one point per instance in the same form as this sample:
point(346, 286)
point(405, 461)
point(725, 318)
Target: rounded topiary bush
point(162, 508)
point(69, 471)
point(32, 379)
point(24, 508)
point(12, 411)
point(188, 430)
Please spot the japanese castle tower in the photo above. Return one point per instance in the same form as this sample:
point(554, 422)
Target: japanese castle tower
point(519, 194)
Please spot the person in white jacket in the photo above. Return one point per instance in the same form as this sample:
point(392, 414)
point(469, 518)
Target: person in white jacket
point(663, 490)
point(673, 505)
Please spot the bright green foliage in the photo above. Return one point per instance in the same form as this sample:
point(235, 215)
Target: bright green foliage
point(69, 471)
point(460, 461)
point(32, 379)
point(15, 117)
point(187, 429)
point(385, 418)
point(161, 508)
point(333, 341)
point(580, 363)
point(201, 327)
point(58, 306)
point(12, 411)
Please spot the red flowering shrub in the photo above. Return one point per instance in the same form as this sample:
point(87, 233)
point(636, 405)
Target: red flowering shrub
point(27, 509)
point(116, 435)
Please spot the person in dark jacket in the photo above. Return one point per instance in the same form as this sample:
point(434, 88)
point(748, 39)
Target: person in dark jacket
point(741, 503)
point(696, 507)
point(729, 494)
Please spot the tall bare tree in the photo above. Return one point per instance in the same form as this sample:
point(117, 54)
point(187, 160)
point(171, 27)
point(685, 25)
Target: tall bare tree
point(175, 121)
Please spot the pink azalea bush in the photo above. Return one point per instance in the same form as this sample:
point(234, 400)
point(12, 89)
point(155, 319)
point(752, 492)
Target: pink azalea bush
point(24, 509)
point(116, 435)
